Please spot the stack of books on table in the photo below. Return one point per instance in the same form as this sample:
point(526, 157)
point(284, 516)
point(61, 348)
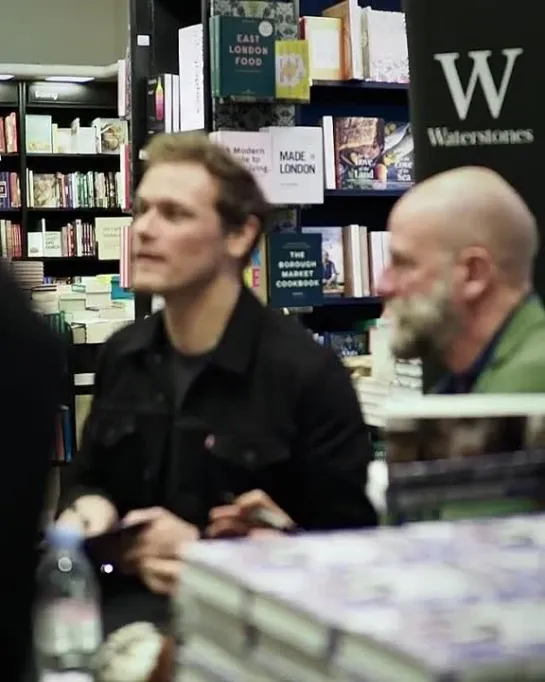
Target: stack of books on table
point(429, 602)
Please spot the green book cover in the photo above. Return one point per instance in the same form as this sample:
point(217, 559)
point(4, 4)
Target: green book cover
point(244, 58)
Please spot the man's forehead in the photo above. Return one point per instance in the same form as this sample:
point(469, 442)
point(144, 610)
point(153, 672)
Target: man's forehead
point(412, 222)
point(176, 181)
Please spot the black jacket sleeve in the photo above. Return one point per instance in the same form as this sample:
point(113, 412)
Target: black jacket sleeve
point(336, 451)
point(31, 386)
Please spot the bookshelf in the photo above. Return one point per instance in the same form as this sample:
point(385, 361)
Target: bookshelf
point(63, 103)
point(161, 20)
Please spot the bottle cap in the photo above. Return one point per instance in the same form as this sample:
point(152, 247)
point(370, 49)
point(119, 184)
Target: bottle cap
point(63, 536)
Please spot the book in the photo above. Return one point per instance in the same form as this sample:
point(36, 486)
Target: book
point(324, 36)
point(331, 607)
point(243, 64)
point(359, 147)
point(292, 70)
point(297, 165)
point(398, 156)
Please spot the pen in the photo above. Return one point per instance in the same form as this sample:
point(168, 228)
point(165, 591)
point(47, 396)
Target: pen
point(265, 518)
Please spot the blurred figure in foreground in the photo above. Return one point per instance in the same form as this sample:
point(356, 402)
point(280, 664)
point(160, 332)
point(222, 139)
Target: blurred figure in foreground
point(32, 370)
point(459, 286)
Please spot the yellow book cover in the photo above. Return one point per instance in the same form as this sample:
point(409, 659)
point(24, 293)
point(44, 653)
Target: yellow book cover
point(292, 70)
point(255, 274)
point(325, 38)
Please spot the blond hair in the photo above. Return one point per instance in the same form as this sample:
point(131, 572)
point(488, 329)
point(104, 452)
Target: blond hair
point(239, 195)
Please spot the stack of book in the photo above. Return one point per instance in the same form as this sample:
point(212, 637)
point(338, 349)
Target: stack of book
point(460, 456)
point(433, 601)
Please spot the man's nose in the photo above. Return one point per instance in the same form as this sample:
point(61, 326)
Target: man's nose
point(385, 287)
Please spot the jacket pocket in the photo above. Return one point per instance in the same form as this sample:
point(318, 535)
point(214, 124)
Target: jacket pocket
point(249, 454)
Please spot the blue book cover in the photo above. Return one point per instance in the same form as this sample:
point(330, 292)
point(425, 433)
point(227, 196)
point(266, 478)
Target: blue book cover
point(398, 154)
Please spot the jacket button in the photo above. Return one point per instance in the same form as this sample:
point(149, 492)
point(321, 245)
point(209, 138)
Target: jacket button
point(160, 398)
point(250, 457)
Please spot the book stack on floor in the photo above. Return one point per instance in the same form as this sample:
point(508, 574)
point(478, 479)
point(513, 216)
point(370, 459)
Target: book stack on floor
point(429, 602)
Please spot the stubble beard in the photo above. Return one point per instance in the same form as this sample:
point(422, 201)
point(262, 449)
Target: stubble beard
point(422, 325)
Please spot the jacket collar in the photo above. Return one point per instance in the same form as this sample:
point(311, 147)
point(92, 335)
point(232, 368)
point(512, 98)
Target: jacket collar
point(236, 347)
point(523, 322)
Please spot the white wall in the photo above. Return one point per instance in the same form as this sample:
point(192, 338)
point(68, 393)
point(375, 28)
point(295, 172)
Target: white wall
point(75, 32)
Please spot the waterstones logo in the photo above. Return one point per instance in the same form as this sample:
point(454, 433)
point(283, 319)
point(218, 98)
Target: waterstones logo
point(462, 98)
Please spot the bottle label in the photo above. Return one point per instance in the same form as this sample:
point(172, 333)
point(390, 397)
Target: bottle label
point(69, 625)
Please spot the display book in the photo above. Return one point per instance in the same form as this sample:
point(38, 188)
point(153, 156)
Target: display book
point(428, 602)
point(62, 168)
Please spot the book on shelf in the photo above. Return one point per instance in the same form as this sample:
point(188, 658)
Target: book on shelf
point(10, 190)
point(331, 607)
point(345, 344)
point(324, 37)
point(191, 69)
point(163, 104)
point(103, 136)
point(11, 243)
point(353, 258)
point(71, 240)
point(292, 70)
point(287, 161)
point(367, 153)
point(9, 136)
point(349, 13)
point(255, 273)
point(349, 42)
point(242, 56)
point(75, 190)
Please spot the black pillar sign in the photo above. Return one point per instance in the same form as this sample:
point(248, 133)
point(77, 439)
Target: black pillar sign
point(477, 92)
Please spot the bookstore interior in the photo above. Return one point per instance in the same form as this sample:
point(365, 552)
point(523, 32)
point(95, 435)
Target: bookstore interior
point(314, 98)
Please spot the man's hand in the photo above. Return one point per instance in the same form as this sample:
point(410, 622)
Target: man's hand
point(234, 520)
point(156, 556)
point(90, 514)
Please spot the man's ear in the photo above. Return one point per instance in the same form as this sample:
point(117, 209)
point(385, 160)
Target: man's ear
point(240, 241)
point(479, 271)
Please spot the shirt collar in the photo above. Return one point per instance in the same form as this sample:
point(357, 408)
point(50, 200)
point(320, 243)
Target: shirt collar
point(463, 382)
point(235, 348)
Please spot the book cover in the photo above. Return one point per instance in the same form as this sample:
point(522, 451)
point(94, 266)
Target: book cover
point(255, 151)
point(292, 70)
point(295, 270)
point(359, 146)
point(324, 35)
point(332, 258)
point(243, 58)
point(398, 154)
point(348, 344)
point(298, 168)
point(255, 274)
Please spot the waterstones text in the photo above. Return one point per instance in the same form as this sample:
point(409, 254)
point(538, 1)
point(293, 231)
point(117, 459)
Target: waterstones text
point(442, 136)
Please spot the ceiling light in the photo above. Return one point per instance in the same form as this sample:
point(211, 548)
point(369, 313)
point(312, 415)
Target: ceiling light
point(6, 76)
point(70, 79)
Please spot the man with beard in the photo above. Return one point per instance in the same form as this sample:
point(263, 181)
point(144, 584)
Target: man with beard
point(459, 286)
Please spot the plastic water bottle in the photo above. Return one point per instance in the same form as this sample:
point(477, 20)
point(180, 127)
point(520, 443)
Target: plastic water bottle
point(67, 618)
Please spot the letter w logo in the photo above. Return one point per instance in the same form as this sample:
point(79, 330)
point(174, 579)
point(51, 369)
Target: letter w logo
point(480, 72)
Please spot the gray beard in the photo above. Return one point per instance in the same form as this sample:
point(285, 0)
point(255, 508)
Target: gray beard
point(421, 326)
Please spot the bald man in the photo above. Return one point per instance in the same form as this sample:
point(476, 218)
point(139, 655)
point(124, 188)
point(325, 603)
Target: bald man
point(459, 286)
